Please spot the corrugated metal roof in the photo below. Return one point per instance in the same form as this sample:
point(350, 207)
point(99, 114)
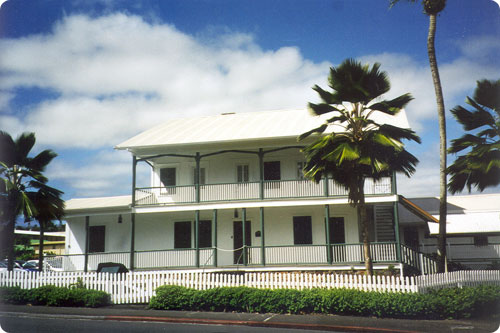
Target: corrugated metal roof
point(233, 127)
point(469, 223)
point(104, 203)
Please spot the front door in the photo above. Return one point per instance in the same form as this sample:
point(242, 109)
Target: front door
point(238, 240)
point(337, 236)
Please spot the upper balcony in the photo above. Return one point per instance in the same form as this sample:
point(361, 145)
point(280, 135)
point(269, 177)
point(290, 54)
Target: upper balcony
point(251, 191)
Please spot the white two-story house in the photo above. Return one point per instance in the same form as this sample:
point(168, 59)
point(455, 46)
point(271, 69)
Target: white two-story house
point(228, 192)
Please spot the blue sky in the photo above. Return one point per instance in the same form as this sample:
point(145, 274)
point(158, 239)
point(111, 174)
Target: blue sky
point(85, 75)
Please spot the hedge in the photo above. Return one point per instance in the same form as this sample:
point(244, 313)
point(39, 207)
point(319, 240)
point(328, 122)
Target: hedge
point(54, 296)
point(449, 303)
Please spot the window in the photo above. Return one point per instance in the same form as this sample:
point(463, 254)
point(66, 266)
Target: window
point(202, 176)
point(302, 230)
point(300, 170)
point(205, 234)
point(168, 176)
point(97, 236)
point(242, 173)
point(480, 240)
point(182, 235)
point(272, 170)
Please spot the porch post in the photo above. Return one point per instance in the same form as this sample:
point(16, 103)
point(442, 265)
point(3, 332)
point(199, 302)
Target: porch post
point(134, 170)
point(262, 238)
point(86, 258)
point(244, 218)
point(396, 231)
point(261, 174)
point(132, 241)
point(327, 232)
point(196, 237)
point(214, 220)
point(325, 186)
point(394, 188)
point(132, 215)
point(197, 177)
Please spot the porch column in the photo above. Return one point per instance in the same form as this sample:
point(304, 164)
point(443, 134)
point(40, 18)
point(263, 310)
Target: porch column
point(86, 258)
point(214, 221)
point(394, 188)
point(325, 186)
point(327, 232)
point(261, 174)
point(396, 231)
point(196, 237)
point(262, 238)
point(134, 170)
point(197, 177)
point(244, 218)
point(132, 241)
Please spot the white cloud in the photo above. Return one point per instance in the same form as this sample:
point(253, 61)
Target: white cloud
point(118, 75)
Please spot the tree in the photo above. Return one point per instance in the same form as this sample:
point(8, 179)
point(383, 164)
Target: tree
point(49, 206)
point(365, 148)
point(432, 8)
point(20, 177)
point(480, 166)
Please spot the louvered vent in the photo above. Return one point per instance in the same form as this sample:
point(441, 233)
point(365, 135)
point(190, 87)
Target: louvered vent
point(384, 223)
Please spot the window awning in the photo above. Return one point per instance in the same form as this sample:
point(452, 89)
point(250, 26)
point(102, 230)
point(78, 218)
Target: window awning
point(418, 211)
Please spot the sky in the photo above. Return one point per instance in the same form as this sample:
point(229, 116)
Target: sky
point(85, 75)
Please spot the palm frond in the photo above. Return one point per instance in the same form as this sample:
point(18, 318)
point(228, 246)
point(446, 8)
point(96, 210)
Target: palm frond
point(394, 106)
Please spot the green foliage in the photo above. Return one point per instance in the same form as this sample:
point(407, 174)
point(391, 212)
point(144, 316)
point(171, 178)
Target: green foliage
point(441, 304)
point(54, 296)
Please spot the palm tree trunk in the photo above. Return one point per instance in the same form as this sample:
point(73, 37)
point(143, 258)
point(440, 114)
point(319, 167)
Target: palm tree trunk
point(365, 225)
point(442, 143)
point(40, 246)
point(11, 226)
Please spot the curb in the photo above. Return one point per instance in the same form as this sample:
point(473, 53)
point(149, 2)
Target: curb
point(318, 327)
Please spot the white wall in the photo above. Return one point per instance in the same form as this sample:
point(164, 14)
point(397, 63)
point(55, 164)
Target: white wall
point(156, 231)
point(222, 168)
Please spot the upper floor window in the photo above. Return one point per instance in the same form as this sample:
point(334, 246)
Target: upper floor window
point(168, 176)
point(242, 173)
point(203, 176)
point(300, 170)
point(182, 235)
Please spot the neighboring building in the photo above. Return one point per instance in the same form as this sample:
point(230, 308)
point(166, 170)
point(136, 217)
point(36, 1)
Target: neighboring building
point(210, 174)
point(53, 243)
point(472, 228)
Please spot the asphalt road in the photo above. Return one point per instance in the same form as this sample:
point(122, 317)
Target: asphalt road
point(15, 324)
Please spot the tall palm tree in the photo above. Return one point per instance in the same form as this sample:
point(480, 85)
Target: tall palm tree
point(49, 206)
point(365, 148)
point(19, 176)
point(432, 8)
point(480, 166)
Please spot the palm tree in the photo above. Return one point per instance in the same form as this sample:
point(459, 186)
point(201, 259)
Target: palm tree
point(432, 8)
point(480, 166)
point(49, 206)
point(20, 175)
point(365, 148)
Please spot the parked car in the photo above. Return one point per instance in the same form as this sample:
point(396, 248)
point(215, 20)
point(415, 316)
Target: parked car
point(31, 265)
point(4, 265)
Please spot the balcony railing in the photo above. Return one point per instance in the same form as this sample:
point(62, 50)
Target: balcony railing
point(341, 254)
point(274, 189)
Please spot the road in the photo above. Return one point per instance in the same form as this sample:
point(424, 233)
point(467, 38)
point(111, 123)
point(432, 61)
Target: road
point(16, 323)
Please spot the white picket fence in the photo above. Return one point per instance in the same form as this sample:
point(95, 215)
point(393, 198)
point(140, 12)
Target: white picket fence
point(139, 287)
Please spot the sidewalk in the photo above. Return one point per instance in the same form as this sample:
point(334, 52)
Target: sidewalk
point(318, 322)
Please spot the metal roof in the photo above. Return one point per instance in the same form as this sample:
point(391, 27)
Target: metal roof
point(469, 223)
point(234, 127)
point(104, 203)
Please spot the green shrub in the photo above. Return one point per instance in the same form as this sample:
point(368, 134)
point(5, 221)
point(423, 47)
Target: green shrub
point(54, 296)
point(440, 304)
point(13, 295)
